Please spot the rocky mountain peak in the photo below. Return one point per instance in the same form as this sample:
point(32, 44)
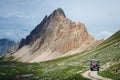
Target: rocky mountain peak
point(41, 28)
point(54, 36)
point(59, 11)
point(56, 13)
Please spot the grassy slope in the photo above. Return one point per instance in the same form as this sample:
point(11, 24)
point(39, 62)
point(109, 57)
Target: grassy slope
point(112, 72)
point(66, 68)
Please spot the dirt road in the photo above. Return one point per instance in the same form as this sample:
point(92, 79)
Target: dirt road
point(94, 76)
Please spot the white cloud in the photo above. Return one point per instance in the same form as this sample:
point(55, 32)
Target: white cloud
point(102, 35)
point(106, 34)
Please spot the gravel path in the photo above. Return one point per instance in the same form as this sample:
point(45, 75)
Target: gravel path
point(94, 76)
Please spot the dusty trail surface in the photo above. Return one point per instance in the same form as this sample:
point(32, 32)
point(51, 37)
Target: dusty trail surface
point(94, 76)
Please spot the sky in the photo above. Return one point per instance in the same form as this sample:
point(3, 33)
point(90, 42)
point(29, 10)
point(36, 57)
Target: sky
point(19, 17)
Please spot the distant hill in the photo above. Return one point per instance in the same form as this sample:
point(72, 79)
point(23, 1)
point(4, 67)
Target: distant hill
point(5, 44)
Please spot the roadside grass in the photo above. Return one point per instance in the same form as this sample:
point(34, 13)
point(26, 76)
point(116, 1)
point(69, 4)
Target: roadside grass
point(112, 72)
point(9, 70)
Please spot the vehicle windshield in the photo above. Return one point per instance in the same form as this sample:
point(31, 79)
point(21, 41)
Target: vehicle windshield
point(94, 61)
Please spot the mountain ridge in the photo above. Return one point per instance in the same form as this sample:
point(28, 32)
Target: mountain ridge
point(53, 37)
point(40, 28)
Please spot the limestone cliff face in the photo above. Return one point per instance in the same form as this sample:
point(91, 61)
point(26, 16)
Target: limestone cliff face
point(55, 35)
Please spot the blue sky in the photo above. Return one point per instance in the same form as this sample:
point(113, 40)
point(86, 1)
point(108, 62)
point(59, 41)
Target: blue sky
point(19, 17)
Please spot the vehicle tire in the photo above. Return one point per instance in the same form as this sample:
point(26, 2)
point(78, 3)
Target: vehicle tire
point(91, 69)
point(98, 69)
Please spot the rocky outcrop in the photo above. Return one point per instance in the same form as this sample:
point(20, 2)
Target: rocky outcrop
point(35, 34)
point(40, 29)
point(53, 37)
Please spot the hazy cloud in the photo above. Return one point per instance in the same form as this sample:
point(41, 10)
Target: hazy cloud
point(103, 35)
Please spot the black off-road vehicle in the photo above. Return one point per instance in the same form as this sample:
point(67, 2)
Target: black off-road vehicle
point(94, 65)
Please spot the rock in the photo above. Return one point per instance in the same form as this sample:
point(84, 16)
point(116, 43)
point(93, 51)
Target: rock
point(24, 77)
